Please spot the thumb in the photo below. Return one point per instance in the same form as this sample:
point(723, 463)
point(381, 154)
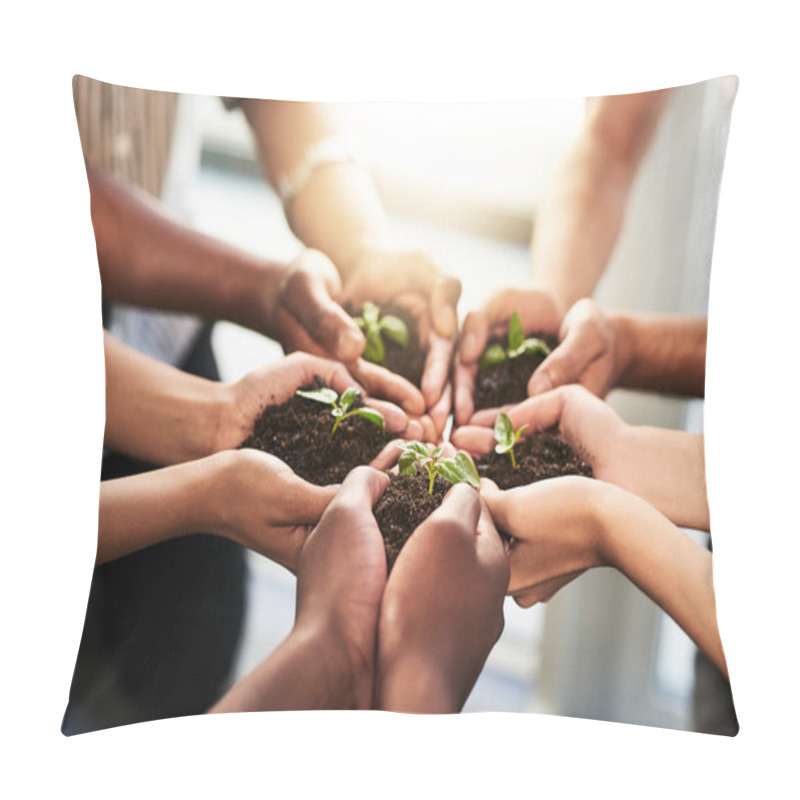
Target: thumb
point(444, 299)
point(306, 298)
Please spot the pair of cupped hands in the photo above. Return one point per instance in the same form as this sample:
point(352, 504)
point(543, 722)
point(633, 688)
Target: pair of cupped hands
point(546, 550)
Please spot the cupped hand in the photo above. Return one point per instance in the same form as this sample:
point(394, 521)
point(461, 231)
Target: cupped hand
point(410, 278)
point(442, 608)
point(554, 533)
point(588, 353)
point(538, 312)
point(262, 504)
point(341, 574)
point(589, 425)
point(275, 383)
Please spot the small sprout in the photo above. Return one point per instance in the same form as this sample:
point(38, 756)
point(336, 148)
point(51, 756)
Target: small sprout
point(459, 469)
point(506, 437)
point(374, 326)
point(518, 345)
point(343, 407)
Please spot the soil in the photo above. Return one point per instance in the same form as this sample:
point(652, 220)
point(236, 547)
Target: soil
point(539, 456)
point(297, 432)
point(403, 506)
point(507, 382)
point(408, 361)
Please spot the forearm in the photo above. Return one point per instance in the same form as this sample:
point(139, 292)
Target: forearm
point(157, 413)
point(306, 672)
point(667, 469)
point(667, 565)
point(152, 507)
point(577, 228)
point(662, 352)
point(148, 259)
point(337, 209)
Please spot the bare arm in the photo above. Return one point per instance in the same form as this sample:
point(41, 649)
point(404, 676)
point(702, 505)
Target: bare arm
point(579, 222)
point(148, 259)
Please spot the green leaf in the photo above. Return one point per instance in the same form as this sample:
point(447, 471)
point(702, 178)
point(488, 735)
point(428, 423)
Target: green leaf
point(494, 354)
point(516, 336)
point(407, 464)
point(531, 346)
point(518, 433)
point(327, 396)
point(360, 322)
point(371, 313)
point(503, 430)
point(450, 471)
point(437, 452)
point(395, 329)
point(421, 451)
point(374, 350)
point(372, 416)
point(468, 468)
point(348, 398)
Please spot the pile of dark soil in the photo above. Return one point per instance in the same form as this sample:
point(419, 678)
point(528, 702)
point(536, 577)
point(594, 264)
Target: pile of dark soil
point(408, 361)
point(297, 432)
point(539, 456)
point(507, 382)
point(403, 506)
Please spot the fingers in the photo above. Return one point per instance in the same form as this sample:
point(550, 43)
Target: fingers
point(540, 412)
point(567, 363)
point(459, 512)
point(380, 382)
point(437, 369)
point(360, 490)
point(440, 412)
point(477, 440)
point(387, 457)
point(487, 416)
point(444, 301)
point(474, 336)
point(306, 296)
point(464, 389)
point(491, 550)
point(333, 373)
point(395, 419)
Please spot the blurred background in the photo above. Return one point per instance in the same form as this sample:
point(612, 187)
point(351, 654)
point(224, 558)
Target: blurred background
point(462, 182)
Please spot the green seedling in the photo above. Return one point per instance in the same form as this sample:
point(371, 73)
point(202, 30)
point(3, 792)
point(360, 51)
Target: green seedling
point(506, 437)
point(458, 469)
point(342, 407)
point(374, 326)
point(518, 345)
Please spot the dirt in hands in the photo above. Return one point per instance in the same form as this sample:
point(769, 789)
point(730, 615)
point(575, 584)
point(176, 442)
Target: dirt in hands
point(505, 383)
point(297, 432)
point(404, 506)
point(539, 456)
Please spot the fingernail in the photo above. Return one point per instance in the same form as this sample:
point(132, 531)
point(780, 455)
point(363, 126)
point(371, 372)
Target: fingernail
point(349, 344)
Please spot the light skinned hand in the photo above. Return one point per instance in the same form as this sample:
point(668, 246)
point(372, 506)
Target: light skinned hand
point(588, 353)
point(382, 273)
point(664, 467)
point(275, 383)
point(538, 312)
point(442, 609)
point(262, 504)
point(554, 533)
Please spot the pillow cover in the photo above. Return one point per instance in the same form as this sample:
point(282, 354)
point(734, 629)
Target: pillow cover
point(170, 627)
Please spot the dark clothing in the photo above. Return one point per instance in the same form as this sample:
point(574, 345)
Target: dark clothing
point(162, 624)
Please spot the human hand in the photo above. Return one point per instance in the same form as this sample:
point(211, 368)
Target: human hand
point(381, 273)
point(589, 425)
point(538, 311)
point(305, 314)
point(590, 352)
point(243, 401)
point(259, 502)
point(555, 534)
point(341, 577)
point(442, 609)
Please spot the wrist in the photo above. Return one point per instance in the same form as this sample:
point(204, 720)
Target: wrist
point(624, 333)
